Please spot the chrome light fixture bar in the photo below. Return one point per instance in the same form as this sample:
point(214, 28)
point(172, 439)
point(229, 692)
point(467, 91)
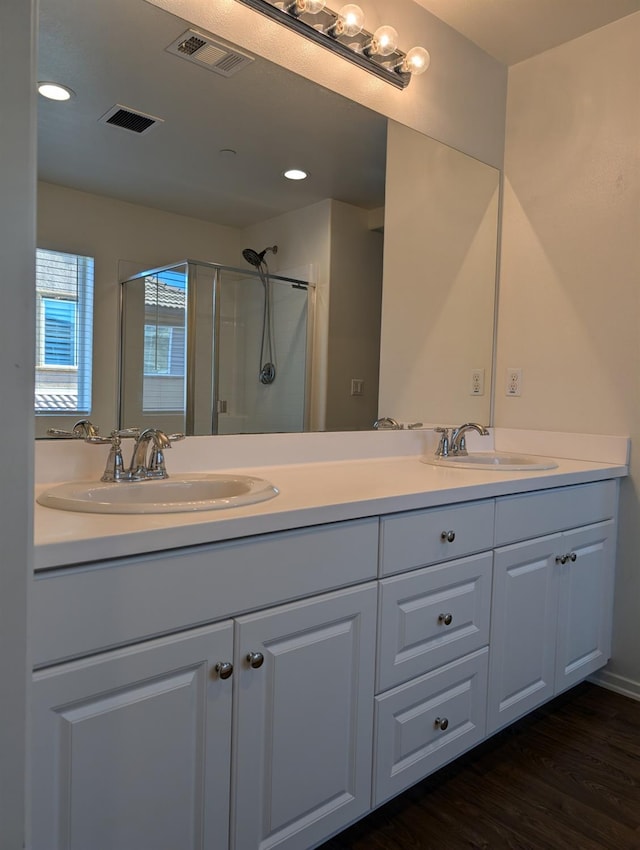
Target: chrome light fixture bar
point(342, 33)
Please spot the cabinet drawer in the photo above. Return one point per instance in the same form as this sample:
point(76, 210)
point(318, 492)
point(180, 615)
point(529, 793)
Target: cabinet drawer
point(536, 514)
point(411, 738)
point(86, 609)
point(418, 538)
point(432, 616)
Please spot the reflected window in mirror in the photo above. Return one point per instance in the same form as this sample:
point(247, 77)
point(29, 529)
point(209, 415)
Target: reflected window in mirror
point(64, 330)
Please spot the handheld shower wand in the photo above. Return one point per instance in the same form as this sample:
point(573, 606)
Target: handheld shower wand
point(267, 366)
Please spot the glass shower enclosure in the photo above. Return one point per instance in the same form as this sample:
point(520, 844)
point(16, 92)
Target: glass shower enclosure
point(193, 350)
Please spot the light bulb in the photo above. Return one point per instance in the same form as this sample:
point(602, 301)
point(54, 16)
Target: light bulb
point(350, 20)
point(384, 42)
point(311, 7)
point(416, 61)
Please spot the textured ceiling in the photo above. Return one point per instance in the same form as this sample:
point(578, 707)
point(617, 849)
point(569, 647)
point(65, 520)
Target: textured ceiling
point(514, 30)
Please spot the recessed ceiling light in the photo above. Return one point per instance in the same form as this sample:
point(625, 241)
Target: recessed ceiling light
point(54, 91)
point(295, 174)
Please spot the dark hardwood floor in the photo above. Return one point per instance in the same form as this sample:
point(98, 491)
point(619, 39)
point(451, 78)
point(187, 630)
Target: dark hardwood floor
point(566, 776)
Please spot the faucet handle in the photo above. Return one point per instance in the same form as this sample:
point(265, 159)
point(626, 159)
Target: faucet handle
point(126, 432)
point(175, 438)
point(443, 445)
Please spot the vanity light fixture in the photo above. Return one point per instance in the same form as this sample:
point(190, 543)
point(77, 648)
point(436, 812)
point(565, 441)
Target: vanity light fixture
point(343, 33)
point(295, 174)
point(55, 91)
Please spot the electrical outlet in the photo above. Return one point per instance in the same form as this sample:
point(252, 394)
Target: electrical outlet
point(514, 382)
point(477, 382)
point(357, 386)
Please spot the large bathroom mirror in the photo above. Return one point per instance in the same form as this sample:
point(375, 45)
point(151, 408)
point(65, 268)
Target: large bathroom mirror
point(158, 159)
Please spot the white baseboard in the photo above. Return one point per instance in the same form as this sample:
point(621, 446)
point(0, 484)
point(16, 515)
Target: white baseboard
point(616, 683)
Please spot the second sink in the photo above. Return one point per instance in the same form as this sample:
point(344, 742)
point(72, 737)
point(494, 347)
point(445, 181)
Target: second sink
point(493, 460)
point(196, 492)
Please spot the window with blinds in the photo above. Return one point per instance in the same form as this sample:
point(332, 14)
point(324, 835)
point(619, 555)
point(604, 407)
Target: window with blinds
point(64, 333)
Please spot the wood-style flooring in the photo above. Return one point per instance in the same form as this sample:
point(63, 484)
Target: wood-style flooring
point(567, 777)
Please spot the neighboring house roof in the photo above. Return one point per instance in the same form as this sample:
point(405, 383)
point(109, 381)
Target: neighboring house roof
point(157, 293)
point(56, 402)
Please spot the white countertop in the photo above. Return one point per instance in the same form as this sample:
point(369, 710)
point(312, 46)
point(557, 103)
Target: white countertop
point(310, 494)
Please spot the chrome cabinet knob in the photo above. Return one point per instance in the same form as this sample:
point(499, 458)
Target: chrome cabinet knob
point(441, 723)
point(255, 659)
point(573, 557)
point(224, 669)
point(448, 536)
point(445, 619)
point(562, 559)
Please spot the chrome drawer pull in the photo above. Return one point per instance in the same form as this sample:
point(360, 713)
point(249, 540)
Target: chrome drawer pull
point(441, 723)
point(446, 619)
point(448, 536)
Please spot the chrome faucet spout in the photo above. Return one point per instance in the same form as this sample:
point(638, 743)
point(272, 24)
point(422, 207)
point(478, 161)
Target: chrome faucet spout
point(140, 468)
point(458, 443)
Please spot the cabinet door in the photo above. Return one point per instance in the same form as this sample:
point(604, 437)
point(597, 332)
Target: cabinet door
point(131, 748)
point(585, 603)
point(523, 629)
point(303, 720)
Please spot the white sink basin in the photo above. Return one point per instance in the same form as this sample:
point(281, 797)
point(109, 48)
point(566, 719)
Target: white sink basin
point(494, 460)
point(173, 495)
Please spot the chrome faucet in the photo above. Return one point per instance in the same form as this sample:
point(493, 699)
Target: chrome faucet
point(386, 423)
point(147, 458)
point(141, 468)
point(82, 429)
point(455, 443)
point(458, 444)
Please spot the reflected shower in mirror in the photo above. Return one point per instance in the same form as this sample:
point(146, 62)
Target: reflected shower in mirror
point(193, 350)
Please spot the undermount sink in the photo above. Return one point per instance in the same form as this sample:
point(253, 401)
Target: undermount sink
point(197, 492)
point(493, 460)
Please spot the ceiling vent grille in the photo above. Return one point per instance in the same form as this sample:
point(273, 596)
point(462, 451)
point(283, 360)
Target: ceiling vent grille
point(130, 119)
point(214, 55)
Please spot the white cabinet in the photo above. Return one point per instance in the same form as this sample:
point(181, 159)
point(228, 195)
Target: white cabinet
point(552, 597)
point(346, 688)
point(303, 720)
point(131, 748)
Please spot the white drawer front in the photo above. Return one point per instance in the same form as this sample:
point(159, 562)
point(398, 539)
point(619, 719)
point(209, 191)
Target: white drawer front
point(411, 738)
point(545, 512)
point(432, 616)
point(85, 609)
point(418, 538)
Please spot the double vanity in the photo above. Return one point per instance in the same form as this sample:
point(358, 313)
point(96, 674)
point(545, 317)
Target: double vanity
point(264, 675)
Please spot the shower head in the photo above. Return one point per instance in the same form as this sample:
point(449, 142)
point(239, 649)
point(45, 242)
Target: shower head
point(256, 259)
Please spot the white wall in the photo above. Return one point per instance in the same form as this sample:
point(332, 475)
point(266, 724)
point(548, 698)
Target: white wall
point(441, 220)
point(17, 341)
point(459, 100)
point(569, 290)
point(125, 238)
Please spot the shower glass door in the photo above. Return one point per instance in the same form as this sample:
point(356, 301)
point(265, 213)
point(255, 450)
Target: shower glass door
point(206, 350)
point(261, 352)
